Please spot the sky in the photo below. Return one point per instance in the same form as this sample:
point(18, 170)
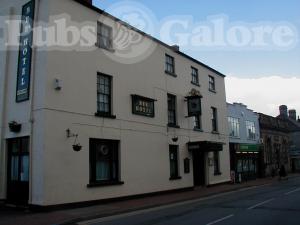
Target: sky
point(271, 75)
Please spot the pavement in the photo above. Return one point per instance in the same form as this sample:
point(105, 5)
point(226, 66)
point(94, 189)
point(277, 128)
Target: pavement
point(13, 216)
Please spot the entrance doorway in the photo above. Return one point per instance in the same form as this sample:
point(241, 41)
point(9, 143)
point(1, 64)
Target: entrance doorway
point(199, 168)
point(18, 171)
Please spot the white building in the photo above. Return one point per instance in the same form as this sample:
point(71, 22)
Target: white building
point(130, 117)
point(246, 153)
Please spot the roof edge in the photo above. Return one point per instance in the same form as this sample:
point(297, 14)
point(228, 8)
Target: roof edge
point(100, 11)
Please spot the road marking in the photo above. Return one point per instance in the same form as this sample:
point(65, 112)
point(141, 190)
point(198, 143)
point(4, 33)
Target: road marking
point(261, 203)
point(290, 192)
point(220, 220)
point(168, 206)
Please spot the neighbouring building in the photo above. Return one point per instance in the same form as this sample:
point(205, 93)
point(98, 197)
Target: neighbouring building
point(275, 134)
point(294, 151)
point(90, 125)
point(244, 142)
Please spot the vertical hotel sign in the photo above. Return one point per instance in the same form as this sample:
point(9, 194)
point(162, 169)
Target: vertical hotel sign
point(25, 52)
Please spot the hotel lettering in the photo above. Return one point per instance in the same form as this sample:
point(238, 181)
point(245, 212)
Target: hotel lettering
point(25, 52)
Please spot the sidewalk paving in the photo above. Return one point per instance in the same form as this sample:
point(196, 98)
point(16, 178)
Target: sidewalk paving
point(11, 216)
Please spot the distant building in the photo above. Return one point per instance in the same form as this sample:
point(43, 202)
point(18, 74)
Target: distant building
point(294, 151)
point(275, 134)
point(244, 142)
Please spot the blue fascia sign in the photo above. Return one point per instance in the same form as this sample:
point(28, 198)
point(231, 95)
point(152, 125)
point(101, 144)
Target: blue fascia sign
point(25, 52)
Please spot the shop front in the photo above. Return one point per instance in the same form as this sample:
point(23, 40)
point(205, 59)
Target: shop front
point(245, 160)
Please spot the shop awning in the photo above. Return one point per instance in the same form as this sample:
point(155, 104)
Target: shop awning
point(205, 146)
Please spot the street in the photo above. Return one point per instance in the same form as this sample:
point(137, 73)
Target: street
point(277, 204)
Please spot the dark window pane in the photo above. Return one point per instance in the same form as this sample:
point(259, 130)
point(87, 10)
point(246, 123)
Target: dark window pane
point(104, 94)
point(170, 65)
point(24, 176)
point(212, 85)
point(173, 153)
point(103, 160)
point(14, 168)
point(216, 163)
point(197, 122)
point(195, 77)
point(104, 34)
point(214, 119)
point(172, 109)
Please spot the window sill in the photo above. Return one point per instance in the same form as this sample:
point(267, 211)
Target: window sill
point(171, 74)
point(218, 174)
point(215, 132)
point(213, 91)
point(198, 129)
point(233, 137)
point(99, 114)
point(175, 178)
point(173, 126)
point(197, 84)
point(104, 183)
point(141, 114)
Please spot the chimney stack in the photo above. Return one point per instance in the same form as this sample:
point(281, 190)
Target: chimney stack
point(293, 114)
point(283, 111)
point(176, 48)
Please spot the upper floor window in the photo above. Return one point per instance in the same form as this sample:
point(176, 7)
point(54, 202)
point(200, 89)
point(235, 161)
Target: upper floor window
point(172, 120)
point(195, 76)
point(212, 83)
point(104, 36)
point(214, 119)
point(170, 64)
point(142, 106)
point(197, 122)
point(234, 127)
point(104, 86)
point(250, 126)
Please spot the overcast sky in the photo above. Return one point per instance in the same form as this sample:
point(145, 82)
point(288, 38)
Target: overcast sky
point(260, 78)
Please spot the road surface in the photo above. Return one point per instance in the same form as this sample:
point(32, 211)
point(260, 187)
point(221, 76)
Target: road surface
point(277, 204)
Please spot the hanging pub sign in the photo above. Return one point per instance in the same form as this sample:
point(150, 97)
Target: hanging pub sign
point(194, 106)
point(25, 52)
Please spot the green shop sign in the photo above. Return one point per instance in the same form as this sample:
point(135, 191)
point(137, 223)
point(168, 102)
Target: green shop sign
point(249, 148)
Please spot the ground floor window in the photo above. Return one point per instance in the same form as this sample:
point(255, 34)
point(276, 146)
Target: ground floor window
point(173, 153)
point(104, 161)
point(247, 166)
point(217, 163)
